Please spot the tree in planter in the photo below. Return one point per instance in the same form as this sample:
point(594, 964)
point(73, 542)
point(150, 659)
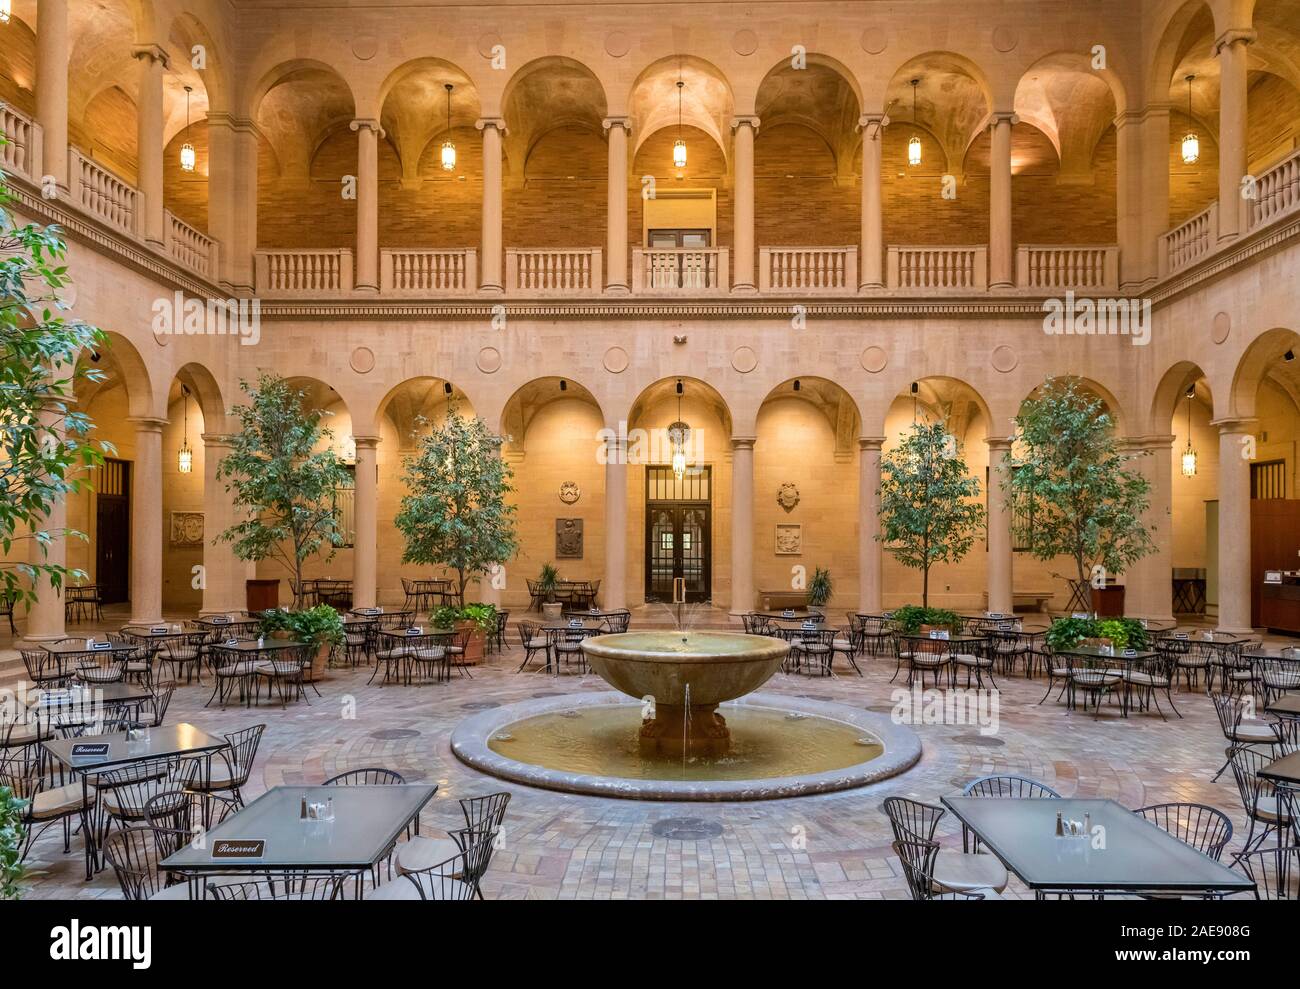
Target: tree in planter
point(820, 588)
point(281, 481)
point(928, 511)
point(455, 513)
point(43, 446)
point(1066, 470)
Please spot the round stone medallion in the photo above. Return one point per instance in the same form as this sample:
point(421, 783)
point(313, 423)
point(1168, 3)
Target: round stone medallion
point(874, 40)
point(1005, 38)
point(617, 44)
point(1004, 359)
point(365, 47)
point(362, 360)
point(874, 359)
point(489, 360)
point(744, 359)
point(616, 360)
point(1221, 328)
point(487, 42)
point(745, 42)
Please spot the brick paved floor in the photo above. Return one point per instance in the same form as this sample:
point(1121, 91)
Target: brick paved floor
point(568, 846)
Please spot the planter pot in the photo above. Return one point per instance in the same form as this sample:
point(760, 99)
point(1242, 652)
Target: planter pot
point(477, 640)
point(262, 594)
point(552, 609)
point(1097, 642)
point(1108, 602)
point(320, 660)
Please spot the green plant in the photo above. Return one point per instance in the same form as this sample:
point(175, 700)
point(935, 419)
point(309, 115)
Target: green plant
point(444, 616)
point(316, 626)
point(282, 482)
point(12, 835)
point(547, 580)
point(1066, 633)
point(1124, 633)
point(911, 617)
point(43, 450)
point(820, 587)
point(928, 511)
point(482, 615)
point(455, 513)
point(1113, 629)
point(1067, 472)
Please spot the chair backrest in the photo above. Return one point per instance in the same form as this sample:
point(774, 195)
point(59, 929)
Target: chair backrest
point(372, 776)
point(242, 752)
point(456, 877)
point(1205, 828)
point(1021, 787)
point(1246, 764)
point(133, 853)
point(162, 697)
point(527, 631)
point(1230, 710)
point(179, 816)
point(912, 819)
point(917, 859)
point(485, 813)
point(285, 887)
point(1275, 871)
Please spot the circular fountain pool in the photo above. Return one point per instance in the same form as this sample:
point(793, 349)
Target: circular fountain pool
point(779, 746)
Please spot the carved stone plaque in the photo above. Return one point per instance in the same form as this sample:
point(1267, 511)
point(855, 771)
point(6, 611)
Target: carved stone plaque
point(568, 539)
point(187, 529)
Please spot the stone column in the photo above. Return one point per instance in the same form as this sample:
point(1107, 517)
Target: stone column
point(146, 522)
point(1001, 266)
point(149, 139)
point(232, 197)
point(614, 583)
point(1231, 51)
point(742, 265)
point(616, 207)
point(222, 592)
point(490, 263)
point(367, 270)
point(1128, 199)
point(365, 506)
point(1234, 524)
point(52, 90)
point(1001, 595)
point(872, 126)
point(1154, 186)
point(46, 617)
point(869, 597)
point(742, 524)
point(1149, 583)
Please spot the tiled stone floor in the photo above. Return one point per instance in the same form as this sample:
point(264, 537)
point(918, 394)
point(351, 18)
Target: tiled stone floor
point(566, 846)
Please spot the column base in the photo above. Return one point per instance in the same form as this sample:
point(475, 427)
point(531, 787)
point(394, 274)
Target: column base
point(366, 289)
point(617, 290)
point(744, 289)
point(491, 290)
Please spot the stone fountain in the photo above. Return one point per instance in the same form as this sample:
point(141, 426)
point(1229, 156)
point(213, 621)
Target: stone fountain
point(681, 678)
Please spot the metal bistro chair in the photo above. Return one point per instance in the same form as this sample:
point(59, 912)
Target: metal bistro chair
point(533, 640)
point(812, 647)
point(503, 627)
point(287, 886)
point(1094, 682)
point(1148, 677)
point(484, 815)
point(1264, 806)
point(917, 857)
point(454, 878)
point(1278, 675)
point(1275, 872)
point(283, 674)
point(46, 669)
point(848, 643)
point(185, 652)
point(179, 816)
point(230, 768)
point(429, 655)
point(1239, 730)
point(1206, 829)
point(925, 655)
point(873, 633)
point(618, 621)
point(566, 646)
point(912, 820)
point(136, 857)
point(1004, 786)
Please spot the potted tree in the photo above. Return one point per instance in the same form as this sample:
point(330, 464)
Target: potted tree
point(454, 513)
point(548, 580)
point(480, 620)
point(1066, 469)
point(284, 476)
point(320, 627)
point(928, 511)
point(43, 448)
point(820, 588)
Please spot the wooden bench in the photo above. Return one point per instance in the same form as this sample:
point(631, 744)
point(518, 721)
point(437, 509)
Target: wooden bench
point(780, 600)
point(1024, 600)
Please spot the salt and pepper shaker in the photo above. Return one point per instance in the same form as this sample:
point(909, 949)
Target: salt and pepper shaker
point(1087, 823)
point(302, 812)
point(1060, 825)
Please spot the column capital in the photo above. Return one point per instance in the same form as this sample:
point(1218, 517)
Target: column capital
point(611, 122)
point(1151, 441)
point(366, 442)
point(870, 442)
point(744, 120)
point(228, 121)
point(743, 442)
point(155, 53)
point(1008, 117)
point(217, 439)
point(147, 424)
point(872, 124)
point(1234, 35)
point(1235, 424)
point(369, 123)
point(483, 123)
point(1002, 443)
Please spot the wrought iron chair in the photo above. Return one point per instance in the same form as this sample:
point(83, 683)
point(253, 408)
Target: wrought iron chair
point(287, 886)
point(366, 777)
point(912, 820)
point(135, 855)
point(185, 652)
point(1264, 806)
point(454, 878)
point(1004, 786)
point(1205, 828)
point(483, 816)
point(917, 857)
point(1236, 716)
point(533, 640)
point(1145, 679)
point(230, 768)
point(1275, 871)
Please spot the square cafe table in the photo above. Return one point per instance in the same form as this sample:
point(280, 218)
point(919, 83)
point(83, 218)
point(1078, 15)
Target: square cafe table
point(1136, 855)
point(1286, 706)
point(119, 749)
point(1284, 773)
point(269, 836)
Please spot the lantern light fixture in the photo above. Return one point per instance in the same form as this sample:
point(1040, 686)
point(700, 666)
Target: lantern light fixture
point(914, 145)
point(1191, 143)
point(448, 148)
point(679, 146)
point(185, 455)
point(188, 158)
point(1189, 455)
point(6, 8)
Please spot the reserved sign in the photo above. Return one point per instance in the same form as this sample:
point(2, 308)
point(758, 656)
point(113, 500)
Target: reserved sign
point(90, 750)
point(239, 848)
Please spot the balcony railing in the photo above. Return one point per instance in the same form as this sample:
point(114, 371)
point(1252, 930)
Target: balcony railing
point(1189, 241)
point(189, 246)
point(680, 271)
point(307, 273)
point(808, 270)
point(20, 154)
point(104, 195)
point(406, 272)
point(1277, 193)
point(937, 269)
point(1046, 267)
point(574, 271)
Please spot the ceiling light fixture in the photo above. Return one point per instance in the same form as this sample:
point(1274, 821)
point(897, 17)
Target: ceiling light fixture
point(914, 145)
point(1189, 455)
point(677, 433)
point(185, 456)
point(188, 158)
point(679, 146)
point(448, 148)
point(5, 9)
point(1191, 143)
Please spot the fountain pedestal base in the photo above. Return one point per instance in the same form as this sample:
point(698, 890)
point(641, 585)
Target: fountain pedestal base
point(680, 730)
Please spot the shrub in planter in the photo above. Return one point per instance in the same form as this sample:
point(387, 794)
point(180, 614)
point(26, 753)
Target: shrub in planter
point(912, 619)
point(319, 627)
point(820, 588)
point(12, 835)
point(481, 618)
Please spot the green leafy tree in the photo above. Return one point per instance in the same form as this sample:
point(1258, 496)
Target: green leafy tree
point(455, 513)
point(44, 452)
point(928, 511)
point(1066, 470)
point(284, 477)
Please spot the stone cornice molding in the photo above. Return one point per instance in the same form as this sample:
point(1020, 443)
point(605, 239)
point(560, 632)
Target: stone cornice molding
point(366, 442)
point(1235, 424)
point(1152, 441)
point(743, 442)
point(148, 424)
point(866, 443)
point(217, 440)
